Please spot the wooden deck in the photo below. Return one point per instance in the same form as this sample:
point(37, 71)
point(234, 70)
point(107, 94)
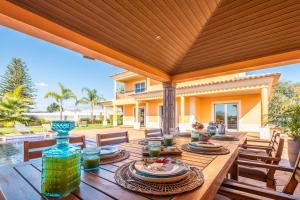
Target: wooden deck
point(23, 181)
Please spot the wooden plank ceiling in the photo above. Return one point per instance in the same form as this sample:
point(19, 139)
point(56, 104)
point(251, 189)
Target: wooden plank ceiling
point(178, 39)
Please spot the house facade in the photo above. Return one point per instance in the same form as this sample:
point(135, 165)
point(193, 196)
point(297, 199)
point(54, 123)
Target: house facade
point(239, 101)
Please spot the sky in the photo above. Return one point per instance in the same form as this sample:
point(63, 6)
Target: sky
point(49, 64)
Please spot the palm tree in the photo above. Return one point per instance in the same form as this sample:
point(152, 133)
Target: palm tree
point(63, 94)
point(13, 105)
point(92, 98)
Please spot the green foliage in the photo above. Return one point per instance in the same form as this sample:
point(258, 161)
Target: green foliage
point(91, 98)
point(13, 105)
point(53, 107)
point(64, 93)
point(16, 74)
point(284, 109)
point(120, 119)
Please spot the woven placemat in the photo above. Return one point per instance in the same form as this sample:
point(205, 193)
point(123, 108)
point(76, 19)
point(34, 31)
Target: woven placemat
point(223, 150)
point(123, 155)
point(125, 179)
point(224, 138)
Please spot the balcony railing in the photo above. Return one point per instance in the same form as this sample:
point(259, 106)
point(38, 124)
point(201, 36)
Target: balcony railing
point(124, 95)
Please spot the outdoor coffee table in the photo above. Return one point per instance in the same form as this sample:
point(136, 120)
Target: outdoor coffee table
point(23, 181)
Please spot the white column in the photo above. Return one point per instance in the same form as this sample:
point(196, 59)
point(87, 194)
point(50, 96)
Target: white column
point(115, 115)
point(104, 116)
point(169, 94)
point(136, 118)
point(115, 89)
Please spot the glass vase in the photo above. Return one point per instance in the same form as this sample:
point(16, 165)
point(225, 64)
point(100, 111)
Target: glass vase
point(61, 163)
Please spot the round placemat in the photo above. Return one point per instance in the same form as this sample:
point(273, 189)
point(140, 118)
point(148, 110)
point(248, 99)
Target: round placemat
point(125, 179)
point(223, 150)
point(123, 155)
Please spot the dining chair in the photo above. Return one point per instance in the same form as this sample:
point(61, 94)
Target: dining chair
point(260, 146)
point(112, 138)
point(253, 171)
point(153, 133)
point(237, 190)
point(33, 149)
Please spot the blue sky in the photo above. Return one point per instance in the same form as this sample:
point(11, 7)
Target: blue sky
point(49, 64)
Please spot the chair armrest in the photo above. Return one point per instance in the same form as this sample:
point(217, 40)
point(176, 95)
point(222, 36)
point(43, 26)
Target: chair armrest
point(244, 191)
point(258, 140)
point(258, 157)
point(263, 165)
point(250, 146)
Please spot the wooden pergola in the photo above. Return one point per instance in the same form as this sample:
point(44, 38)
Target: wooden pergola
point(170, 41)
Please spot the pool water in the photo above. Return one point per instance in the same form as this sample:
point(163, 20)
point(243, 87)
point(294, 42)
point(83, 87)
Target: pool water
point(12, 152)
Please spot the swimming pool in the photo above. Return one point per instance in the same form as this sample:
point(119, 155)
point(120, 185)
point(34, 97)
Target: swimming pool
point(11, 152)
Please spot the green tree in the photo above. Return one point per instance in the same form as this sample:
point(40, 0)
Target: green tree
point(64, 94)
point(92, 98)
point(16, 74)
point(13, 105)
point(53, 107)
point(285, 97)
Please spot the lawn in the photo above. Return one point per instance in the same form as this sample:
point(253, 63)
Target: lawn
point(39, 129)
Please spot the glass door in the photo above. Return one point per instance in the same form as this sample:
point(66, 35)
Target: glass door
point(227, 113)
point(161, 112)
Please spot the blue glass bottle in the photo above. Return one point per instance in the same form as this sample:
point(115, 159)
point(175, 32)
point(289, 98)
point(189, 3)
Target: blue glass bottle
point(61, 163)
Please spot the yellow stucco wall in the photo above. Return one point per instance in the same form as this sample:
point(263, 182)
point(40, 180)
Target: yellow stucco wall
point(250, 106)
point(130, 84)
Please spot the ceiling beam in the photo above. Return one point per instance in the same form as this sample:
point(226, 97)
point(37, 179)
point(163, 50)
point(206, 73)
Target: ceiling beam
point(30, 23)
point(274, 60)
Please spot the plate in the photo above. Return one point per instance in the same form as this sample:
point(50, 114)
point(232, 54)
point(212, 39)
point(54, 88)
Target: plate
point(196, 148)
point(160, 169)
point(107, 156)
point(155, 139)
point(108, 150)
point(205, 144)
point(156, 179)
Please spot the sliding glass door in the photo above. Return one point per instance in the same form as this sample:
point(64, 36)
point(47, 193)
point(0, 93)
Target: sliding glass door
point(227, 113)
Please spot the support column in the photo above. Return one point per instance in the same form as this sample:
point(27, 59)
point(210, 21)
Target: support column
point(182, 113)
point(115, 89)
point(104, 116)
point(136, 118)
point(169, 95)
point(115, 115)
point(264, 105)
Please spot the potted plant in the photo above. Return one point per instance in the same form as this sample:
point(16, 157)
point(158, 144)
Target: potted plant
point(291, 125)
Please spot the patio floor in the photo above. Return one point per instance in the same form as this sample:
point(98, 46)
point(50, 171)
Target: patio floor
point(281, 177)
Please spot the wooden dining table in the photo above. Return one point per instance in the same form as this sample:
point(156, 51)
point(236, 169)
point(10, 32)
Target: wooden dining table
point(23, 181)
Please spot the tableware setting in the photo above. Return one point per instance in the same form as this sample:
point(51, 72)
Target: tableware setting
point(112, 154)
point(159, 176)
point(164, 151)
point(208, 148)
point(225, 137)
point(166, 140)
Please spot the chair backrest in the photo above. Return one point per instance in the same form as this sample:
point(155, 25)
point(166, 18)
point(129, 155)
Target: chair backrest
point(33, 149)
point(294, 179)
point(21, 128)
point(277, 153)
point(153, 133)
point(112, 138)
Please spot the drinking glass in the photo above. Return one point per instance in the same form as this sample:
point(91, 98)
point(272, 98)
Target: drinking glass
point(195, 137)
point(168, 140)
point(154, 148)
point(91, 159)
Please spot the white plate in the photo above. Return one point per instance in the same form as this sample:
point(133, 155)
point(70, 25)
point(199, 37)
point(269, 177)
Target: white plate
point(205, 144)
point(155, 139)
point(169, 169)
point(106, 150)
point(195, 148)
point(158, 179)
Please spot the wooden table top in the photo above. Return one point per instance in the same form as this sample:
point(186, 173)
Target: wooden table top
point(23, 181)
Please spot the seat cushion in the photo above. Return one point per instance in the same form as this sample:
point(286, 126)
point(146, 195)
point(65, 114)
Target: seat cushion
point(254, 152)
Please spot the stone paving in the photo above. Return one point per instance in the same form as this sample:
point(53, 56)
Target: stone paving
point(281, 177)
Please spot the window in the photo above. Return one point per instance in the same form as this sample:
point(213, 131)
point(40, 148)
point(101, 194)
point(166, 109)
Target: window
point(140, 87)
point(227, 114)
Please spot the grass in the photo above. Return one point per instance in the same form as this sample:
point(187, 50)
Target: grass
point(39, 129)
